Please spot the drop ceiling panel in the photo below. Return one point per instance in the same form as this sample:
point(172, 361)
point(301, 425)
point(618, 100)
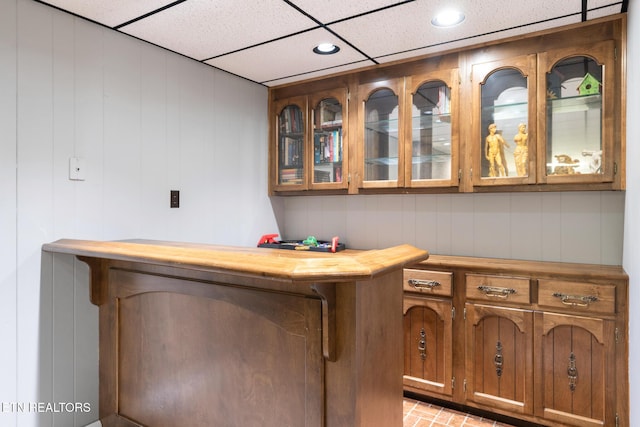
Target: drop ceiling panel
point(450, 45)
point(288, 57)
point(379, 34)
point(110, 12)
point(269, 41)
point(203, 29)
point(328, 11)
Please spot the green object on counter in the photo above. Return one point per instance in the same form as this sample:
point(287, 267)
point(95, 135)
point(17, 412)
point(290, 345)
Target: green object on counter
point(310, 241)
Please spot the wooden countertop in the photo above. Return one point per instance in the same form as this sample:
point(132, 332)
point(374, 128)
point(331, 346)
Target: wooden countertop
point(512, 266)
point(293, 265)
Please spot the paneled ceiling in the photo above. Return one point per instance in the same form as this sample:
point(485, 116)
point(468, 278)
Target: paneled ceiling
point(271, 41)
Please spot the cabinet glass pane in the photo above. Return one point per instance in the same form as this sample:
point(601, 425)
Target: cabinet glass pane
point(431, 132)
point(291, 146)
point(327, 141)
point(381, 136)
point(574, 117)
point(504, 120)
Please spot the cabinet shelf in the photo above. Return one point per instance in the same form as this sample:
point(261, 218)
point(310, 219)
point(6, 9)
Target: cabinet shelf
point(575, 104)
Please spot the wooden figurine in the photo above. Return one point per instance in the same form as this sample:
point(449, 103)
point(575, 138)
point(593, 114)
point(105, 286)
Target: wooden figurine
point(521, 152)
point(494, 152)
point(567, 165)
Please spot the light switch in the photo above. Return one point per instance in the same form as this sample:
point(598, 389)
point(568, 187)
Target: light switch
point(77, 169)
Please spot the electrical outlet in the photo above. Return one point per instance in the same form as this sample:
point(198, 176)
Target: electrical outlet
point(175, 199)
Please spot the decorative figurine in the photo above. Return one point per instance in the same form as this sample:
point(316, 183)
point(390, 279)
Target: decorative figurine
point(567, 165)
point(589, 85)
point(594, 160)
point(494, 152)
point(521, 153)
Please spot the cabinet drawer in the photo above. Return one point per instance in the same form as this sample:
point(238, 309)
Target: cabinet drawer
point(498, 288)
point(427, 282)
point(577, 296)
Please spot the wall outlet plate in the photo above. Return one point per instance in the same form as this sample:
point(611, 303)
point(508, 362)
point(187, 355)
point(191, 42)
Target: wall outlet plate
point(175, 199)
point(77, 169)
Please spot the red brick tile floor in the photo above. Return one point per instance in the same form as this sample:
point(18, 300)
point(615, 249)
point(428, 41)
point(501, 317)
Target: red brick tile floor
point(423, 414)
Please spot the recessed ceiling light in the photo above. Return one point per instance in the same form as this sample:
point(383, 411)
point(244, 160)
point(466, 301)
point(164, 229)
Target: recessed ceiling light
point(326, 49)
point(448, 18)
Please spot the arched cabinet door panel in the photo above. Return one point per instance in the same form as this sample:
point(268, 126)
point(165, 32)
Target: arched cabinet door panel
point(499, 357)
point(428, 344)
point(575, 367)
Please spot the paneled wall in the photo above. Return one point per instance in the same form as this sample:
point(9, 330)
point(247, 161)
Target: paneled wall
point(631, 262)
point(582, 227)
point(145, 121)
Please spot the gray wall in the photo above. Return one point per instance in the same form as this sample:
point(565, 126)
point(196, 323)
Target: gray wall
point(570, 227)
point(146, 121)
point(631, 262)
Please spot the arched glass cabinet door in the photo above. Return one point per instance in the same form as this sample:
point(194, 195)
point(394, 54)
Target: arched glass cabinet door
point(382, 134)
point(433, 131)
point(290, 145)
point(505, 107)
point(578, 115)
point(329, 155)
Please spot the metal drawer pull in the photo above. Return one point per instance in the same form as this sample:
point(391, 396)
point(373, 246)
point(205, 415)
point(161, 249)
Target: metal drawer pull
point(576, 300)
point(495, 292)
point(424, 284)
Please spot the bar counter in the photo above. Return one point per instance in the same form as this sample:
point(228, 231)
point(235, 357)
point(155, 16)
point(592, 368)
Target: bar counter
point(205, 335)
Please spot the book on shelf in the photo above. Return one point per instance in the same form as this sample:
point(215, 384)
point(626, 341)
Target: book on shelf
point(291, 120)
point(291, 176)
point(291, 151)
point(327, 147)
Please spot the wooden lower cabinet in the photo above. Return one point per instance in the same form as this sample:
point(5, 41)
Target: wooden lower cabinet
point(428, 352)
point(546, 343)
point(577, 369)
point(499, 365)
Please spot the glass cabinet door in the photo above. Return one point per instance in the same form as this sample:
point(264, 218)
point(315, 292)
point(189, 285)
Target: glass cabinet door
point(290, 148)
point(433, 131)
point(382, 151)
point(329, 119)
point(505, 109)
point(577, 116)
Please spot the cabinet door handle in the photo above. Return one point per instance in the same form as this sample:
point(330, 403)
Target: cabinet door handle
point(572, 372)
point(576, 300)
point(498, 359)
point(422, 344)
point(495, 292)
point(424, 284)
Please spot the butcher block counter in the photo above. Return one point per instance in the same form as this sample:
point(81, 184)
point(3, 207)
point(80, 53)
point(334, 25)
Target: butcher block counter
point(204, 335)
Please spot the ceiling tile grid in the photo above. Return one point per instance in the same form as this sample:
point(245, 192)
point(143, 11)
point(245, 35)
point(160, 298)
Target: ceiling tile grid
point(270, 41)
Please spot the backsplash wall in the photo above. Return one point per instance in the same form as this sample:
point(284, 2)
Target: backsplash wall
point(583, 227)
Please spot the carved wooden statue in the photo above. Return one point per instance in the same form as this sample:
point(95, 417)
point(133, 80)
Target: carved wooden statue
point(521, 153)
point(494, 152)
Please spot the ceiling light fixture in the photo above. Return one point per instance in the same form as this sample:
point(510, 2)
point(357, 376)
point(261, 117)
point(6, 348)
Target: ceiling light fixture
point(448, 18)
point(326, 49)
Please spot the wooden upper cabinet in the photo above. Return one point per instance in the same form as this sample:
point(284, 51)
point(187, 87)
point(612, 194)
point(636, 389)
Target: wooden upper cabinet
point(329, 157)
point(380, 134)
point(538, 113)
point(576, 111)
point(289, 163)
point(431, 143)
point(310, 142)
point(503, 134)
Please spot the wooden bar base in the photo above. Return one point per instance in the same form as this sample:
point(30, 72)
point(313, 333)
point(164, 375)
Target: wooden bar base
point(204, 335)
